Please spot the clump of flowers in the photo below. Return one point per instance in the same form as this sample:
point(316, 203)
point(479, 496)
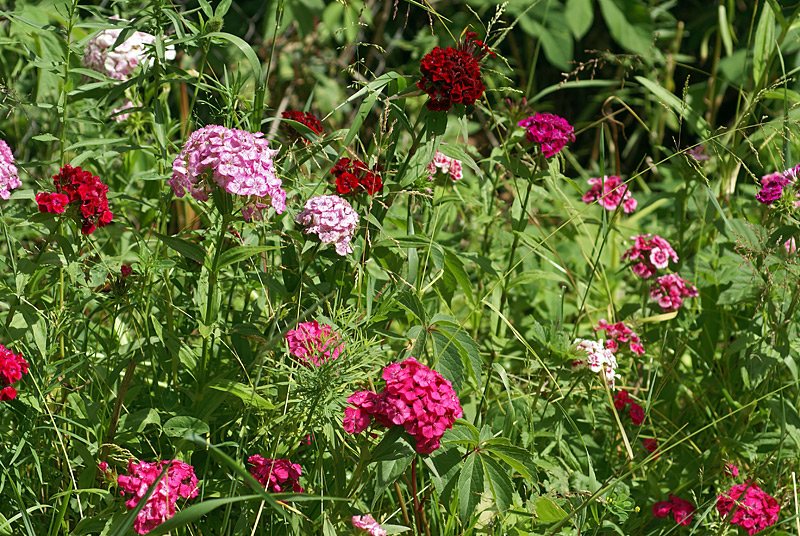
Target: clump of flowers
point(651, 445)
point(415, 397)
point(610, 192)
point(731, 470)
point(548, 130)
point(652, 254)
point(620, 333)
point(368, 525)
point(445, 165)
point(120, 62)
point(9, 176)
point(180, 481)
point(332, 219)
point(314, 344)
point(453, 75)
point(237, 161)
point(773, 185)
point(623, 400)
point(681, 510)
point(276, 475)
point(754, 510)
point(12, 368)
point(669, 291)
point(305, 118)
point(353, 177)
point(80, 192)
point(598, 359)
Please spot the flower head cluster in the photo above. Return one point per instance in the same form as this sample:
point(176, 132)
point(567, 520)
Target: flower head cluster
point(81, 191)
point(620, 333)
point(548, 130)
point(415, 397)
point(453, 75)
point(773, 184)
point(12, 367)
point(305, 118)
point(276, 475)
point(651, 445)
point(120, 62)
point(180, 481)
point(755, 510)
point(353, 176)
point(652, 254)
point(332, 219)
point(445, 165)
point(238, 161)
point(9, 177)
point(368, 524)
point(623, 400)
point(681, 510)
point(314, 344)
point(598, 359)
point(614, 191)
point(669, 290)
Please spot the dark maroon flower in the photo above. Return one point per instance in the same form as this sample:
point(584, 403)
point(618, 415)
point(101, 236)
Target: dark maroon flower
point(621, 399)
point(306, 118)
point(637, 414)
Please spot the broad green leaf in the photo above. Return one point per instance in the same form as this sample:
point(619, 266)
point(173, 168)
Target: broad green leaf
point(396, 444)
point(448, 359)
point(184, 247)
point(240, 253)
point(179, 426)
point(764, 43)
point(548, 511)
point(579, 15)
point(499, 483)
point(515, 457)
point(387, 472)
point(470, 487)
point(629, 25)
point(245, 393)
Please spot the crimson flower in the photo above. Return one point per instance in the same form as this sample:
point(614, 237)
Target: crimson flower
point(353, 177)
point(81, 192)
point(306, 118)
point(681, 510)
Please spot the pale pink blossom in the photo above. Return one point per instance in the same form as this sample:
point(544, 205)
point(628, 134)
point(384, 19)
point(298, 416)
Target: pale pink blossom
point(332, 219)
point(9, 176)
point(368, 524)
point(120, 62)
point(598, 359)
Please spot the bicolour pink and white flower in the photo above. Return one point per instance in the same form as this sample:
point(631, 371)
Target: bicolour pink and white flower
point(276, 475)
point(314, 344)
point(368, 525)
point(120, 62)
point(753, 509)
point(9, 176)
point(650, 253)
point(620, 333)
point(598, 359)
point(445, 165)
point(610, 192)
point(332, 219)
point(670, 290)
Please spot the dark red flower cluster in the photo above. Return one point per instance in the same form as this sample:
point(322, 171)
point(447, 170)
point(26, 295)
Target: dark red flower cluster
point(12, 367)
point(682, 510)
point(651, 445)
point(622, 400)
point(415, 397)
point(275, 475)
point(306, 118)
point(353, 176)
point(453, 75)
point(755, 510)
point(83, 191)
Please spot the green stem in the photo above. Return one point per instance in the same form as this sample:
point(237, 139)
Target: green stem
point(212, 285)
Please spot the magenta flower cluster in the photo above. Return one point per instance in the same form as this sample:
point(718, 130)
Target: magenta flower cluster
point(368, 525)
point(276, 475)
point(445, 165)
point(313, 344)
point(669, 291)
point(120, 62)
point(773, 184)
point(9, 177)
point(682, 511)
point(332, 219)
point(610, 192)
point(415, 397)
point(237, 161)
point(754, 510)
point(652, 254)
point(180, 481)
point(12, 368)
point(550, 131)
point(620, 333)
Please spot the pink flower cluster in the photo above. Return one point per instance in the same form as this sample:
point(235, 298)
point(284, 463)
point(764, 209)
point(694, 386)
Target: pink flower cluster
point(683, 511)
point(446, 165)
point(622, 400)
point(120, 62)
point(180, 481)
point(238, 161)
point(773, 184)
point(754, 509)
point(9, 177)
point(599, 359)
point(620, 333)
point(314, 344)
point(669, 290)
point(548, 130)
point(332, 219)
point(614, 191)
point(415, 397)
point(368, 524)
point(12, 367)
point(653, 254)
point(276, 475)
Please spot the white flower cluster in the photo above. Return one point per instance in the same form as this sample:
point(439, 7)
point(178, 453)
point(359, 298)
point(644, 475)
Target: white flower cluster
point(598, 359)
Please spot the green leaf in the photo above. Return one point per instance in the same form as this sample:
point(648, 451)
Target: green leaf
point(179, 426)
point(240, 253)
point(45, 137)
point(547, 511)
point(363, 111)
point(387, 472)
point(184, 247)
point(196, 511)
point(394, 445)
point(499, 483)
point(246, 49)
point(629, 24)
point(455, 151)
point(515, 457)
point(245, 393)
point(764, 43)
point(470, 487)
point(682, 109)
point(579, 15)
point(454, 266)
point(448, 359)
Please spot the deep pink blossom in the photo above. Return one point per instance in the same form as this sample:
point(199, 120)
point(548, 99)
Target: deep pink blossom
point(276, 475)
point(621, 399)
point(314, 344)
point(620, 333)
point(731, 470)
point(651, 445)
point(650, 253)
point(12, 368)
point(753, 509)
point(548, 130)
point(681, 510)
point(669, 291)
point(637, 414)
point(368, 524)
point(9, 176)
point(610, 192)
point(773, 184)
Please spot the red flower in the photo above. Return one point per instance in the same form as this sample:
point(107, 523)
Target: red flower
point(637, 414)
point(621, 399)
point(82, 191)
point(52, 203)
point(453, 75)
point(353, 176)
point(306, 118)
point(681, 510)
point(8, 393)
point(126, 270)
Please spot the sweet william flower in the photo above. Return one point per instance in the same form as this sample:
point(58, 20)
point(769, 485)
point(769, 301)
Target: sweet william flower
point(276, 475)
point(610, 192)
point(681, 510)
point(669, 291)
point(332, 219)
point(120, 62)
point(753, 509)
point(305, 118)
point(598, 359)
point(773, 185)
point(650, 254)
point(80, 193)
point(620, 333)
point(445, 165)
point(9, 176)
point(353, 177)
point(314, 344)
point(368, 525)
point(550, 131)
